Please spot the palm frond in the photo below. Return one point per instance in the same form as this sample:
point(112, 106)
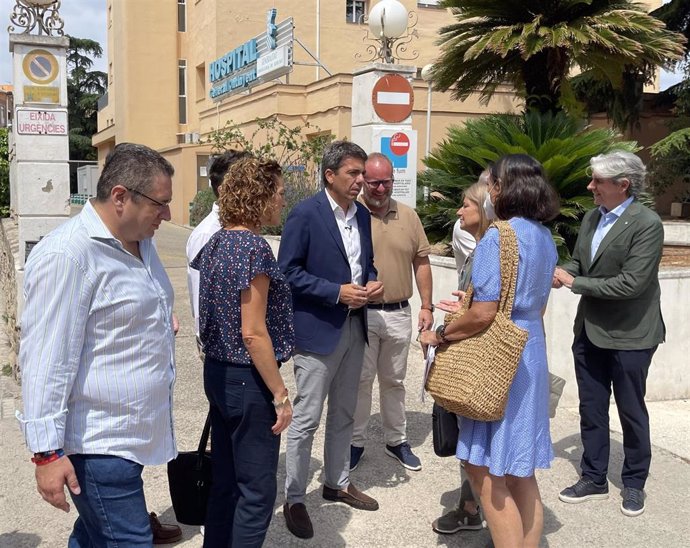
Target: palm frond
point(563, 146)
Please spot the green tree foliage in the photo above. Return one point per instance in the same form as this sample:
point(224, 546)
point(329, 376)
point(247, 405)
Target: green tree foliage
point(671, 156)
point(563, 146)
point(671, 163)
point(623, 105)
point(676, 15)
point(298, 149)
point(536, 44)
point(84, 87)
point(201, 206)
point(4, 174)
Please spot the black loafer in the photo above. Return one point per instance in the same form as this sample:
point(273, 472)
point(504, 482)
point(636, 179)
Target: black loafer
point(297, 520)
point(352, 497)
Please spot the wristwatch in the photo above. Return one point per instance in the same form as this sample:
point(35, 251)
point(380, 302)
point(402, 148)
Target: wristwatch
point(430, 308)
point(441, 333)
point(280, 403)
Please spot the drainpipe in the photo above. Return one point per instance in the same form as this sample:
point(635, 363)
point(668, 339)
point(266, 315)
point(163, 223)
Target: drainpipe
point(318, 37)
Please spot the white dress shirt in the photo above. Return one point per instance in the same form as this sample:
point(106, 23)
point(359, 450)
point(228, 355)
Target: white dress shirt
point(606, 221)
point(97, 346)
point(197, 240)
point(349, 231)
point(463, 246)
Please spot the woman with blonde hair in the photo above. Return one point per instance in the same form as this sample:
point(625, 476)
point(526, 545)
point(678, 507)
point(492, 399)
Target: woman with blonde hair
point(246, 328)
point(474, 220)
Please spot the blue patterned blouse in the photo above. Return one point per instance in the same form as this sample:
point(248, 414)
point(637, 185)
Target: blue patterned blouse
point(227, 264)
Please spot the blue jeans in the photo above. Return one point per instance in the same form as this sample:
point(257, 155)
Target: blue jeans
point(244, 454)
point(111, 505)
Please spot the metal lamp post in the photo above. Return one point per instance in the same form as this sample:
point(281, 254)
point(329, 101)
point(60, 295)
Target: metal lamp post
point(426, 76)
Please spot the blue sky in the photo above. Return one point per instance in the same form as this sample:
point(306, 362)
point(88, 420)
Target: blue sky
point(87, 19)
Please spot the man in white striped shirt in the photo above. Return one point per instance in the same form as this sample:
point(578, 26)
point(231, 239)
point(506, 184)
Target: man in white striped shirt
point(97, 352)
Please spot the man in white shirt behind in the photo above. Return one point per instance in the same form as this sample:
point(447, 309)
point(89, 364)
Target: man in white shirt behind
point(207, 228)
point(463, 245)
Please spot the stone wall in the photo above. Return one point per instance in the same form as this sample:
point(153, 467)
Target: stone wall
point(9, 332)
point(669, 376)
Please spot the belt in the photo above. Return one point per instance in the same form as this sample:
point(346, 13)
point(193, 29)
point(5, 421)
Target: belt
point(390, 306)
point(355, 311)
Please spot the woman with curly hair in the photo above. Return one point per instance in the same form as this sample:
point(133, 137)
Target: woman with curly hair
point(245, 325)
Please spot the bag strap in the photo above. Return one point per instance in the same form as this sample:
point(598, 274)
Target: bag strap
point(508, 261)
point(509, 258)
point(203, 442)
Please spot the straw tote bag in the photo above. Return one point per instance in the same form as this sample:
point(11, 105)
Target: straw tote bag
point(472, 377)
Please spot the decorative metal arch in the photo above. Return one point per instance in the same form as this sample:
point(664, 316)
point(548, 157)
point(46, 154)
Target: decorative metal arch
point(390, 50)
point(28, 15)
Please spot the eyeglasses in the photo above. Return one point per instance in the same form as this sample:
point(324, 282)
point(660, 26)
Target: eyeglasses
point(387, 183)
point(162, 205)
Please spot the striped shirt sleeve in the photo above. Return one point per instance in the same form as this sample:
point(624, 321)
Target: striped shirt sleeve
point(57, 294)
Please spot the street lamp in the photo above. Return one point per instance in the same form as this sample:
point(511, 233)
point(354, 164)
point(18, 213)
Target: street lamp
point(387, 21)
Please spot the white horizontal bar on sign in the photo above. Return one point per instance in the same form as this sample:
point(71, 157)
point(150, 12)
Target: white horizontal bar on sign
point(392, 98)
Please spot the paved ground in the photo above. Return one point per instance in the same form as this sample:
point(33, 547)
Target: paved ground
point(409, 501)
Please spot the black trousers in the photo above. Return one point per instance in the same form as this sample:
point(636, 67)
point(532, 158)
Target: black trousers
point(244, 456)
point(598, 370)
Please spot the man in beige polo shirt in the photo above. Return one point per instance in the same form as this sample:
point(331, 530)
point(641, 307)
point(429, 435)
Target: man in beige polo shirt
point(401, 249)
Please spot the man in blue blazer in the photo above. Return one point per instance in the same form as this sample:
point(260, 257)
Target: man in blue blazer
point(326, 255)
point(618, 326)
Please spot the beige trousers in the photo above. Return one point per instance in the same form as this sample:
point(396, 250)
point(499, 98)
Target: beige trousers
point(389, 334)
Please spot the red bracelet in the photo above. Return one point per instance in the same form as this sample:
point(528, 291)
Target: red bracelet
point(46, 458)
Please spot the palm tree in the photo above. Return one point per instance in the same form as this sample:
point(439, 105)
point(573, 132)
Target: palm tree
point(536, 44)
point(562, 145)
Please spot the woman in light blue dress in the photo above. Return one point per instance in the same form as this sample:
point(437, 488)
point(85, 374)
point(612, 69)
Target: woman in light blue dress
point(501, 456)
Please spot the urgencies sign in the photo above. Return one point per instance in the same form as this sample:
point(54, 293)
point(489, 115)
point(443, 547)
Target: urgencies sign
point(261, 59)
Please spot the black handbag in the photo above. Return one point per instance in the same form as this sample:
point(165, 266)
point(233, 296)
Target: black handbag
point(444, 427)
point(189, 479)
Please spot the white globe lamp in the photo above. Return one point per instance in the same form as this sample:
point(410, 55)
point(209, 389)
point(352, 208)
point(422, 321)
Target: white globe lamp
point(388, 19)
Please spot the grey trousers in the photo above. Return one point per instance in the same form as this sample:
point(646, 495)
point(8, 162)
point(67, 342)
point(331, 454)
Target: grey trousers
point(335, 376)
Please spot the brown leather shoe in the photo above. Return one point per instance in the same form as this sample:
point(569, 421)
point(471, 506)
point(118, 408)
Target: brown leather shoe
point(297, 520)
point(164, 533)
point(351, 496)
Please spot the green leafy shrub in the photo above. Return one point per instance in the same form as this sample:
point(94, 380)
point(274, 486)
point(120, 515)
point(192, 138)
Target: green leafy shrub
point(671, 163)
point(298, 149)
point(4, 174)
point(562, 144)
point(201, 206)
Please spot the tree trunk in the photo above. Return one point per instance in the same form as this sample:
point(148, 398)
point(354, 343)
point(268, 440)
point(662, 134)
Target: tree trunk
point(543, 73)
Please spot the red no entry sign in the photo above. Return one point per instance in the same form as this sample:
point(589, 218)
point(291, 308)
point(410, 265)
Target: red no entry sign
point(393, 98)
point(400, 144)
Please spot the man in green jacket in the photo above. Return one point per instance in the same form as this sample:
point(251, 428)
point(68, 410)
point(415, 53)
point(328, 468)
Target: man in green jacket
point(618, 325)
